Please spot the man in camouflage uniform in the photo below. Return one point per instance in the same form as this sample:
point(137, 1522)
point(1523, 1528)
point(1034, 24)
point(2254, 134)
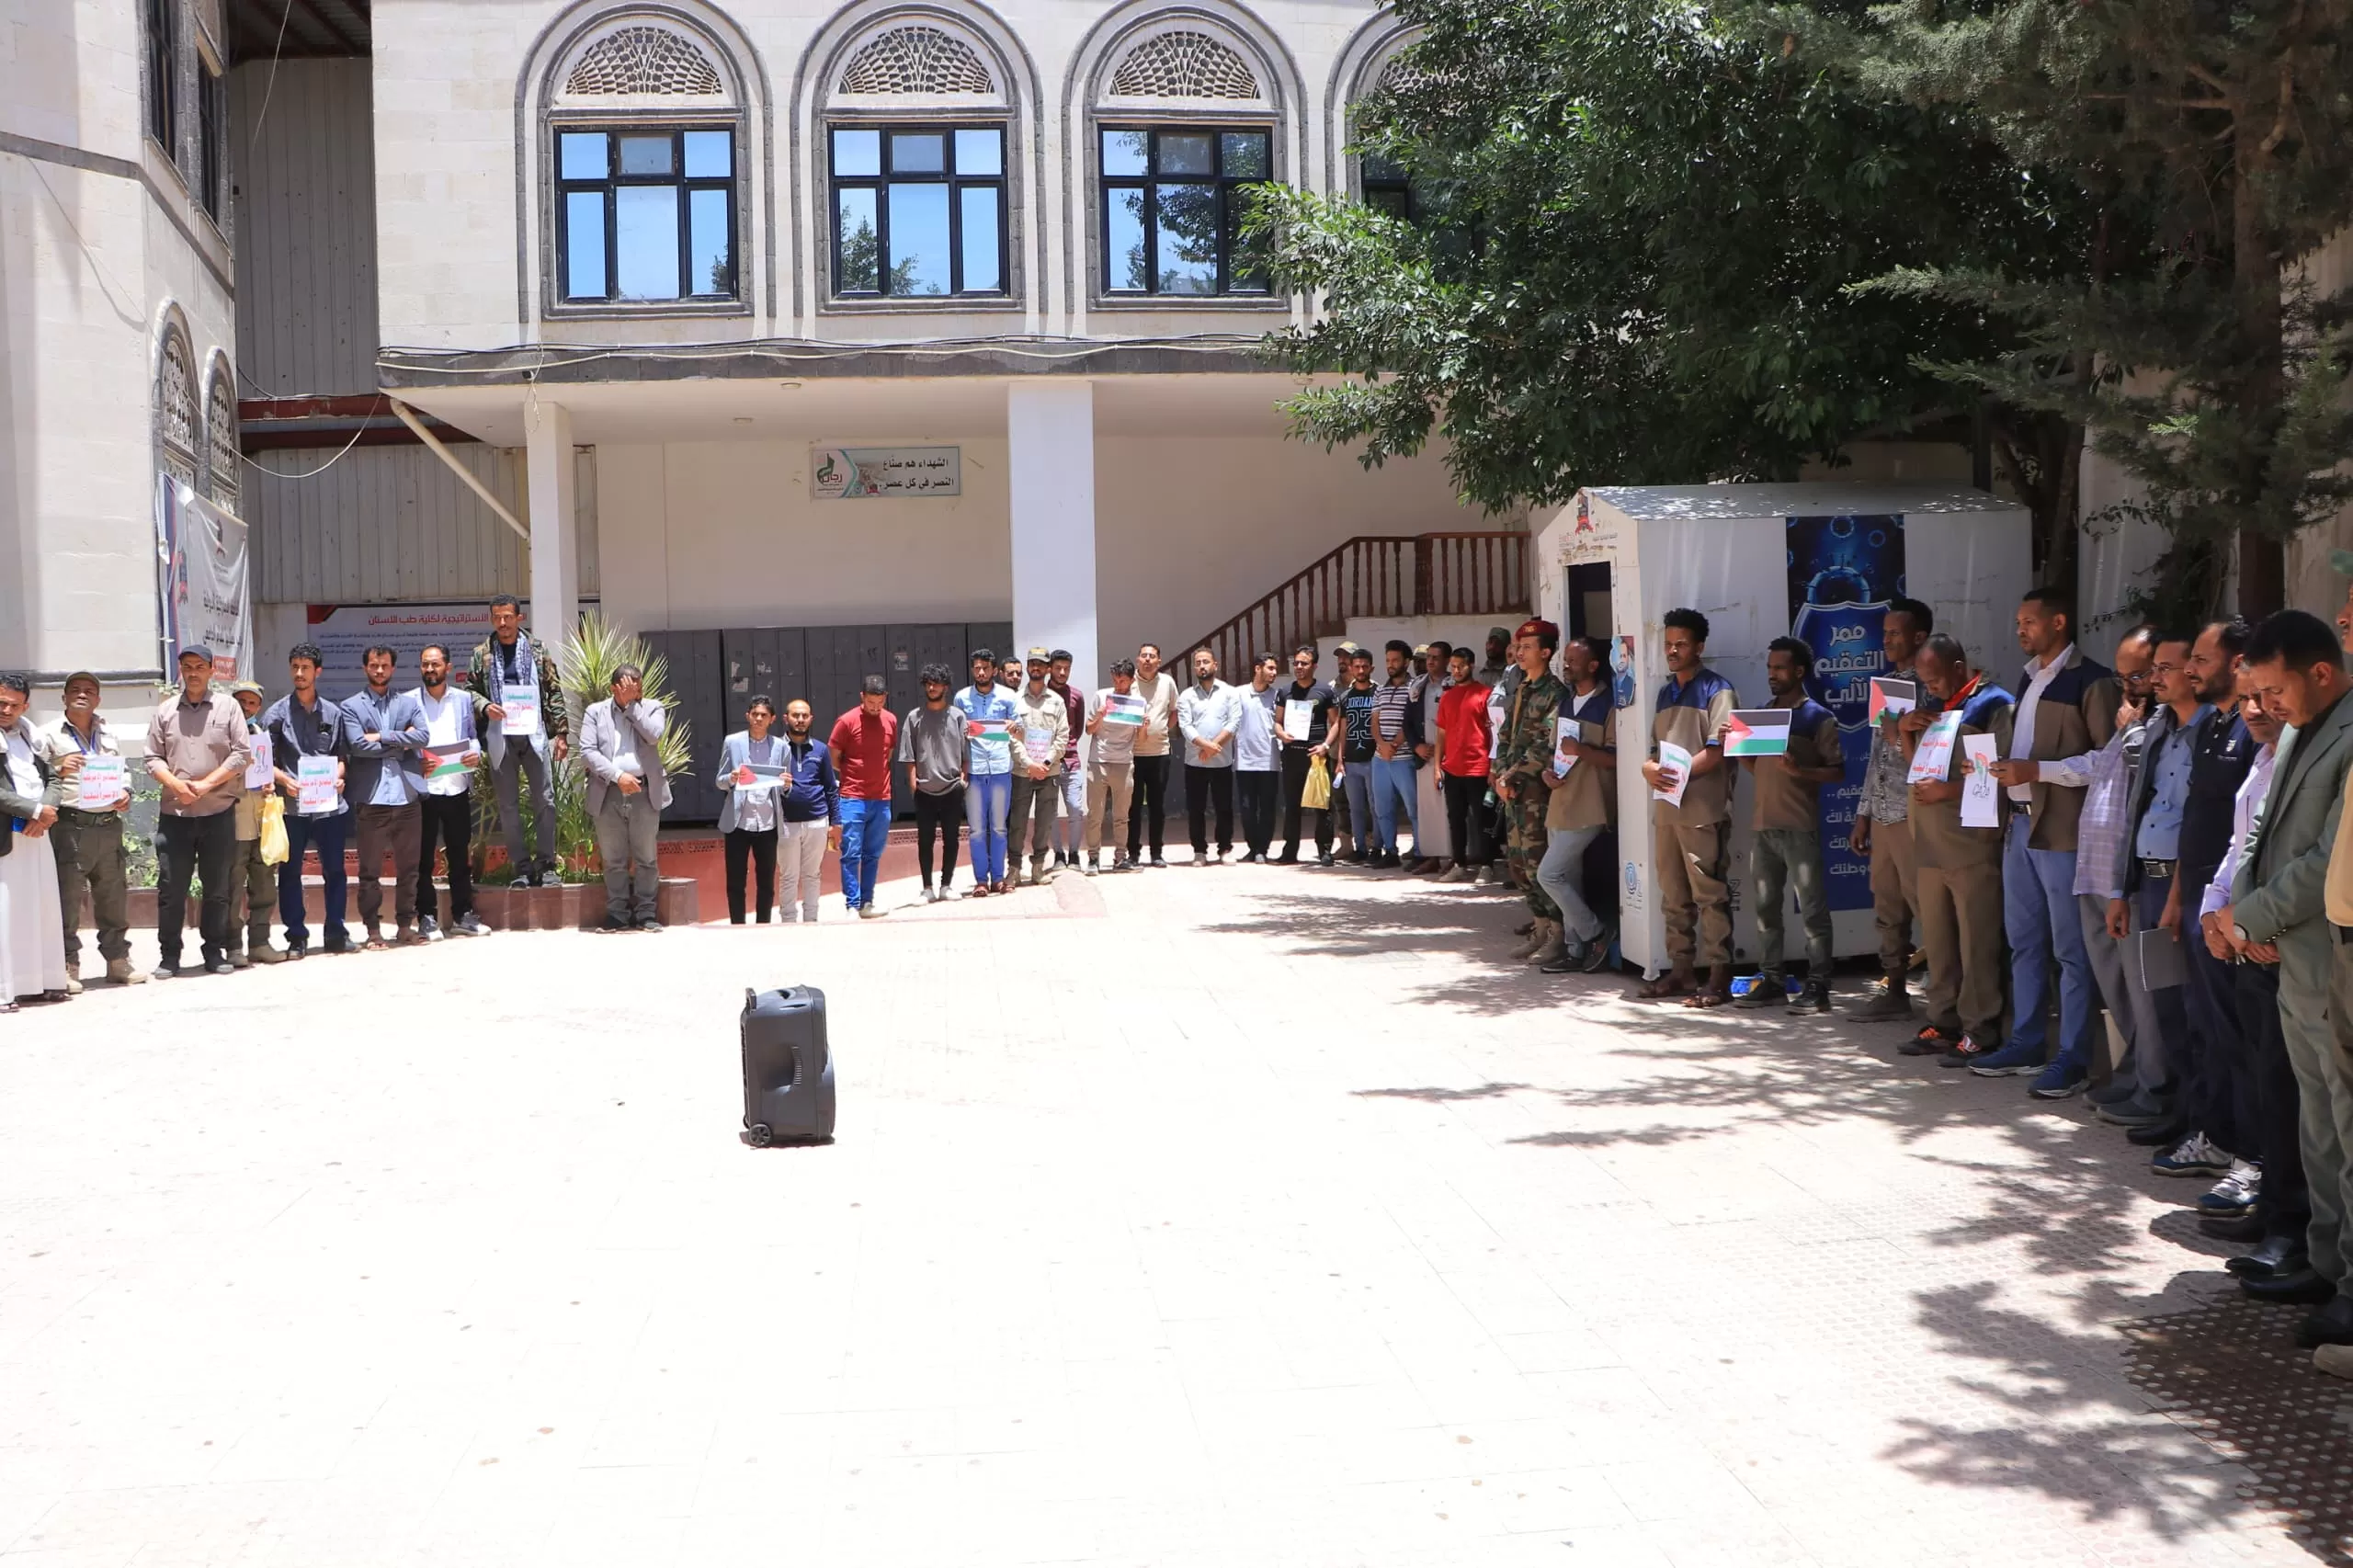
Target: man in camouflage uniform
point(1523, 752)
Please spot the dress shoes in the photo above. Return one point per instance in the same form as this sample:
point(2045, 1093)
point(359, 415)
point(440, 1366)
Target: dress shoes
point(2277, 1257)
point(2332, 1324)
point(2244, 1227)
point(2158, 1134)
point(2304, 1288)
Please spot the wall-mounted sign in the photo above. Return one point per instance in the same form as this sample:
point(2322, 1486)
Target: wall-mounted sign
point(865, 473)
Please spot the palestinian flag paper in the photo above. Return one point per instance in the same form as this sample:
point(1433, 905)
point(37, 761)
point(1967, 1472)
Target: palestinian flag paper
point(1758, 731)
point(1890, 694)
point(1127, 709)
point(998, 730)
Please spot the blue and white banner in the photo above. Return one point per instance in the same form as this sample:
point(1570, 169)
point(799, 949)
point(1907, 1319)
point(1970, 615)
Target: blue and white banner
point(1843, 572)
point(201, 579)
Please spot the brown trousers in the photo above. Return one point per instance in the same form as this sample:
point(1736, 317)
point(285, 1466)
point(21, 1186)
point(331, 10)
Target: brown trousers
point(1688, 863)
point(1961, 925)
point(1895, 893)
point(397, 832)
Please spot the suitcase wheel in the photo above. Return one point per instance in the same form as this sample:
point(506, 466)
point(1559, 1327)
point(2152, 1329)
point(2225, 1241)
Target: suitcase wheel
point(759, 1135)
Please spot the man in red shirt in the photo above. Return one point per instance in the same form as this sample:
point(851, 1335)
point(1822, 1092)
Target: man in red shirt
point(863, 741)
point(1462, 759)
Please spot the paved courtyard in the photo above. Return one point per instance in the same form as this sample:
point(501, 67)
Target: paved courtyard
point(1227, 1217)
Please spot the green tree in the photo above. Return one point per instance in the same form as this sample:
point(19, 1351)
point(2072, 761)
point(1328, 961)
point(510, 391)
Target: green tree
point(1640, 236)
point(862, 263)
point(2216, 138)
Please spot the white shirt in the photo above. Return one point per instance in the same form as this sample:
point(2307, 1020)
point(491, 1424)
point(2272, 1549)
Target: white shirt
point(2243, 814)
point(445, 731)
point(1256, 749)
point(2039, 678)
point(1204, 716)
point(23, 777)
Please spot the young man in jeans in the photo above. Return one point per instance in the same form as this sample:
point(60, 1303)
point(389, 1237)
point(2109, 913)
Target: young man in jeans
point(1396, 743)
point(1786, 850)
point(1464, 759)
point(1582, 807)
point(988, 770)
point(931, 743)
point(862, 741)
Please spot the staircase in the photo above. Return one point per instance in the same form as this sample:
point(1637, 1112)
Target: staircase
point(1388, 577)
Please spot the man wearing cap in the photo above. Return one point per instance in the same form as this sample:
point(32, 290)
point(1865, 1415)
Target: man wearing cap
point(1522, 759)
point(90, 856)
point(1041, 735)
point(1070, 828)
point(255, 879)
point(32, 943)
point(197, 750)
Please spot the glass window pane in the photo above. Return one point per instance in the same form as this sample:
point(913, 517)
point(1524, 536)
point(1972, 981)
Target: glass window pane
point(711, 154)
point(583, 154)
point(584, 244)
point(710, 246)
point(919, 239)
point(1389, 198)
point(923, 154)
point(1125, 266)
point(857, 151)
point(1184, 154)
point(1377, 167)
point(648, 155)
point(645, 242)
point(981, 206)
point(1246, 154)
point(1242, 276)
point(861, 242)
point(979, 152)
point(1124, 152)
point(1188, 235)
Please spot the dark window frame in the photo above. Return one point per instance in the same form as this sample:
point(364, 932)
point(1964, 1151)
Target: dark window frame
point(212, 139)
point(886, 176)
point(560, 296)
point(159, 27)
point(1147, 184)
point(1386, 186)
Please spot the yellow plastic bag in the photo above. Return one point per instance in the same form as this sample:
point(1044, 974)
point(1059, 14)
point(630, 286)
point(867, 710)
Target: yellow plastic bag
point(273, 830)
point(1317, 794)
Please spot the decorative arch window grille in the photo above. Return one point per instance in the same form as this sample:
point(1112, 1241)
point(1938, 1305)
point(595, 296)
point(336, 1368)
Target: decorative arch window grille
point(1385, 185)
point(175, 419)
point(1184, 65)
point(221, 442)
point(916, 59)
point(644, 60)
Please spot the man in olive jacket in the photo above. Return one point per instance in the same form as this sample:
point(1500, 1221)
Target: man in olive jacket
point(2279, 914)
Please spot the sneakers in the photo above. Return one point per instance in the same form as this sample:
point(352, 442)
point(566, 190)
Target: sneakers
point(649, 924)
point(221, 966)
point(428, 928)
point(166, 970)
point(2058, 1081)
point(469, 925)
point(2194, 1155)
point(1094, 865)
point(1159, 864)
point(119, 972)
point(867, 911)
point(1493, 876)
point(1765, 991)
point(1460, 874)
point(1968, 1050)
point(2235, 1193)
point(2009, 1062)
point(1596, 956)
point(1815, 998)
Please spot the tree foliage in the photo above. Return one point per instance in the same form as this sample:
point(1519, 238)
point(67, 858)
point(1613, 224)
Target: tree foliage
point(1641, 233)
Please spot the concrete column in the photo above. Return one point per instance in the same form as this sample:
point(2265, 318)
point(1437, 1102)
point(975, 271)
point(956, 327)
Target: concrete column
point(1050, 428)
point(555, 534)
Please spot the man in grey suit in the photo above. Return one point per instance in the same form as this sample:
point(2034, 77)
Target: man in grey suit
point(2277, 915)
point(620, 741)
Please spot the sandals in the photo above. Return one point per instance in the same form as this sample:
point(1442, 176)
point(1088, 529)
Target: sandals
point(1710, 998)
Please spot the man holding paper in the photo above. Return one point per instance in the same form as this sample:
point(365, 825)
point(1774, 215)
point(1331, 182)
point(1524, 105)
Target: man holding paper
point(1692, 817)
point(751, 768)
point(1041, 732)
point(88, 833)
point(308, 744)
point(387, 730)
point(1960, 866)
point(523, 702)
point(988, 796)
point(1882, 827)
point(197, 750)
point(453, 722)
point(1118, 714)
point(1785, 852)
point(1583, 782)
point(931, 743)
point(254, 879)
point(32, 941)
point(1304, 707)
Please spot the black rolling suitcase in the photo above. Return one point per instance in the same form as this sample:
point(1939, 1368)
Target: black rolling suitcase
point(788, 1068)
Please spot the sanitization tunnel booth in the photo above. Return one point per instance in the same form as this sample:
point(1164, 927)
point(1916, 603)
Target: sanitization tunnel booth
point(1815, 561)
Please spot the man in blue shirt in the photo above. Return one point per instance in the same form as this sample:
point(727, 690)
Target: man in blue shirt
point(808, 816)
point(304, 724)
point(988, 710)
point(384, 731)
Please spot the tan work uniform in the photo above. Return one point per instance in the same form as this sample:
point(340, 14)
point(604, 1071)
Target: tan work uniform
point(1961, 887)
point(1691, 843)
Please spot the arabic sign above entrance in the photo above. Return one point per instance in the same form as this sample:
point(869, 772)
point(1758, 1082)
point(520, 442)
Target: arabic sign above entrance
point(865, 473)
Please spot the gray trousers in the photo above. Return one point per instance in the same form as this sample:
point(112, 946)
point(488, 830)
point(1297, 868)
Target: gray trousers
point(2316, 1016)
point(90, 855)
point(1781, 858)
point(2107, 955)
point(399, 832)
point(521, 760)
point(1562, 874)
point(1035, 801)
point(628, 827)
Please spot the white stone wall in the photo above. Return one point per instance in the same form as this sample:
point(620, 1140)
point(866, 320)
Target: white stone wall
point(93, 260)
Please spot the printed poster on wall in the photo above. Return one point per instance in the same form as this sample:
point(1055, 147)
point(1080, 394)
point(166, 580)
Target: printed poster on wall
point(868, 473)
point(1843, 572)
point(202, 582)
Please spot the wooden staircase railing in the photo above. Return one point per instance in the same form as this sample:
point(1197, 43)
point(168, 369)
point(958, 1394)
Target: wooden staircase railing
point(1383, 576)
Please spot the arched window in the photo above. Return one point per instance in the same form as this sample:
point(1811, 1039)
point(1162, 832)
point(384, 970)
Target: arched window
point(1381, 182)
point(223, 460)
point(917, 163)
point(176, 426)
point(1186, 121)
point(647, 151)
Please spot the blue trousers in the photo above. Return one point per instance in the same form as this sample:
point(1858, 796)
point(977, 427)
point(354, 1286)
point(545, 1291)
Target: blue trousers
point(2040, 917)
point(866, 826)
point(987, 800)
point(325, 834)
point(1364, 829)
point(1392, 783)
